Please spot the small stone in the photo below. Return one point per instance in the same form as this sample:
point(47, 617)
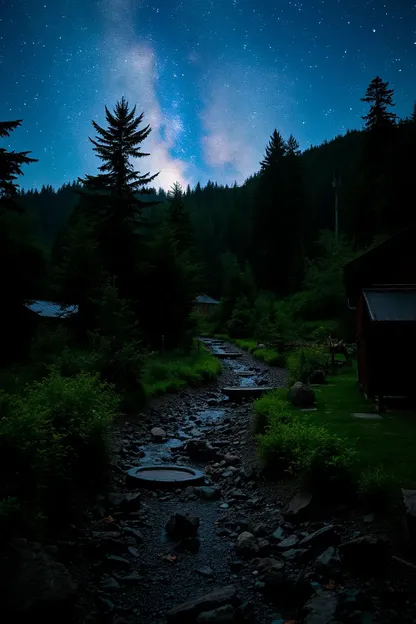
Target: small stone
point(328, 560)
point(260, 530)
point(125, 502)
point(205, 571)
point(247, 545)
point(208, 493)
point(326, 536)
point(182, 526)
point(278, 534)
point(231, 460)
point(224, 506)
point(118, 562)
point(106, 605)
point(299, 507)
point(369, 518)
point(158, 434)
point(132, 579)
point(270, 571)
point(294, 554)
point(189, 611)
point(222, 615)
point(110, 584)
point(237, 494)
point(289, 542)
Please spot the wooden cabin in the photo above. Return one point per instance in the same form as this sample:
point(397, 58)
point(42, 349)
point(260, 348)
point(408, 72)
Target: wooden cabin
point(381, 289)
point(205, 305)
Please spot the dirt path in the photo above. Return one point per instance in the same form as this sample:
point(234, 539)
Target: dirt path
point(129, 570)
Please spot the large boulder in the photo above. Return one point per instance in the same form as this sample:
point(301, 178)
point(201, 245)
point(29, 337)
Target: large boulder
point(300, 507)
point(366, 554)
point(321, 609)
point(326, 536)
point(301, 395)
point(126, 502)
point(271, 572)
point(158, 434)
point(317, 377)
point(37, 586)
point(223, 615)
point(181, 526)
point(188, 611)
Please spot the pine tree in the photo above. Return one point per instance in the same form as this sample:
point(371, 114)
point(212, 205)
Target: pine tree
point(275, 151)
point(292, 147)
point(380, 97)
point(413, 115)
point(114, 195)
point(179, 219)
point(11, 167)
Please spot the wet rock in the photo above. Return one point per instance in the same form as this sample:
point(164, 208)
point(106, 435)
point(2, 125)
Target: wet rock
point(132, 579)
point(328, 560)
point(223, 615)
point(110, 584)
point(130, 501)
point(208, 493)
point(247, 545)
point(299, 507)
point(187, 612)
point(237, 494)
point(158, 434)
point(200, 450)
point(289, 542)
point(270, 571)
point(278, 535)
point(326, 536)
point(205, 571)
point(294, 554)
point(260, 530)
point(37, 585)
point(321, 608)
point(367, 553)
point(264, 547)
point(301, 395)
point(212, 402)
point(182, 526)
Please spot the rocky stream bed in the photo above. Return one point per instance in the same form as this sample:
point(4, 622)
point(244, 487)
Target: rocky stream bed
point(237, 548)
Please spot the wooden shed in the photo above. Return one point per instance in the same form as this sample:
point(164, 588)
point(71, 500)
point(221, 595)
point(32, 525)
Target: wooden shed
point(205, 304)
point(381, 289)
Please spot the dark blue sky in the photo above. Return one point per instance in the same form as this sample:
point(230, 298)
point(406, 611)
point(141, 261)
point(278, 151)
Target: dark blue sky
point(213, 77)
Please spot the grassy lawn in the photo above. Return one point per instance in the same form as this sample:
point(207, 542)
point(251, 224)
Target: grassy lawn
point(174, 371)
point(389, 442)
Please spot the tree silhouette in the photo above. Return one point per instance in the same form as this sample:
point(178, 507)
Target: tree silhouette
point(380, 97)
point(11, 167)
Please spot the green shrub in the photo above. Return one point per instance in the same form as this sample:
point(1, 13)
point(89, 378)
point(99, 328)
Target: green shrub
point(301, 449)
point(54, 434)
point(302, 362)
point(270, 357)
point(376, 488)
point(71, 362)
point(171, 373)
point(272, 406)
point(246, 344)
point(241, 321)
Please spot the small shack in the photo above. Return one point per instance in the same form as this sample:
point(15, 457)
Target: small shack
point(51, 309)
point(381, 289)
point(205, 305)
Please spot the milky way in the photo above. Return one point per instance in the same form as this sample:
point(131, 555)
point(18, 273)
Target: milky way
point(213, 77)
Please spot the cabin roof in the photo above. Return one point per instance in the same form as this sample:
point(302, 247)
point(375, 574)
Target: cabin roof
point(391, 304)
point(206, 299)
point(51, 309)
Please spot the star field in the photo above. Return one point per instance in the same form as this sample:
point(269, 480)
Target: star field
point(213, 77)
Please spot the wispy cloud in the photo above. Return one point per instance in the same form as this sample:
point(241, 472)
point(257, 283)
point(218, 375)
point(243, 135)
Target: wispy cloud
point(242, 107)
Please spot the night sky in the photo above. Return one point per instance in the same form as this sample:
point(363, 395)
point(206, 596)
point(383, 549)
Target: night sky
point(213, 77)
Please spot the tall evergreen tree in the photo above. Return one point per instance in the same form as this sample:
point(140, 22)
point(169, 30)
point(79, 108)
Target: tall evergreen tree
point(380, 98)
point(114, 195)
point(179, 219)
point(275, 151)
point(11, 167)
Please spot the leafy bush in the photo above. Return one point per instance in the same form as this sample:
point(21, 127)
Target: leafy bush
point(270, 357)
point(376, 488)
point(171, 373)
point(272, 406)
point(302, 362)
point(71, 362)
point(55, 434)
point(247, 345)
point(298, 447)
